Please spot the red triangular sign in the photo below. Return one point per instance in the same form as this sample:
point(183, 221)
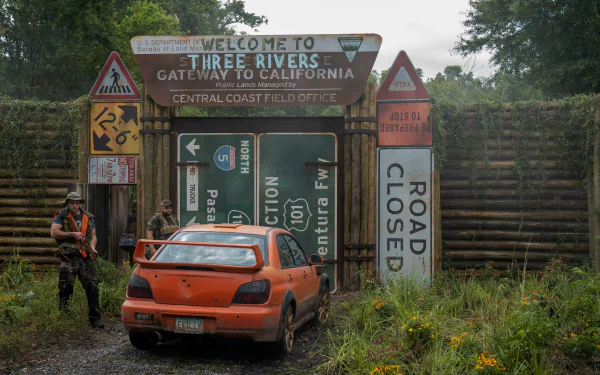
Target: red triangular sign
point(402, 82)
point(115, 82)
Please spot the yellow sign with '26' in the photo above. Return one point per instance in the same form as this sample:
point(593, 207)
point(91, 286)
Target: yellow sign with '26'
point(115, 129)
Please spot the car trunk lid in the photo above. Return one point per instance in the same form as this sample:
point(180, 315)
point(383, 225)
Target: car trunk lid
point(193, 283)
point(194, 287)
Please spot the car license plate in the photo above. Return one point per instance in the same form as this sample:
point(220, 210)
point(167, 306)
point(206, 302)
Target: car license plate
point(189, 325)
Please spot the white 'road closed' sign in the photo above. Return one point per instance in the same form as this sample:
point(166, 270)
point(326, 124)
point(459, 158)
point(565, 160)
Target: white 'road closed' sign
point(404, 234)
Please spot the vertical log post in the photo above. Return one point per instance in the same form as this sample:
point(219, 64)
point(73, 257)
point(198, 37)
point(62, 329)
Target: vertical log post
point(594, 197)
point(146, 183)
point(83, 142)
point(372, 197)
point(158, 158)
point(155, 157)
point(166, 155)
point(359, 205)
point(437, 218)
point(347, 198)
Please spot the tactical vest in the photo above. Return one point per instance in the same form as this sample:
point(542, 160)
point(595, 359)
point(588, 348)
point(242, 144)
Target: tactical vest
point(86, 229)
point(165, 231)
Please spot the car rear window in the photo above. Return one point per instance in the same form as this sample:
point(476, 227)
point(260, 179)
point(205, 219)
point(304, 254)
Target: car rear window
point(230, 256)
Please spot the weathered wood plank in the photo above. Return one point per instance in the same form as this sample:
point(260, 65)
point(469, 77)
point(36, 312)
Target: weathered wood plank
point(510, 245)
point(540, 226)
point(33, 182)
point(507, 204)
point(511, 193)
point(448, 184)
point(499, 235)
point(580, 216)
point(28, 241)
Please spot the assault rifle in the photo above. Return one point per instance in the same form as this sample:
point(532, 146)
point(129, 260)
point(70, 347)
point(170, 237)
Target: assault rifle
point(84, 242)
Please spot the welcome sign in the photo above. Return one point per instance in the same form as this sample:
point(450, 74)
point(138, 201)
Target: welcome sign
point(262, 70)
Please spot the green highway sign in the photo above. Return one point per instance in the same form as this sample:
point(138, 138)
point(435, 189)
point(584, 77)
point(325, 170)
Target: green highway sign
point(216, 178)
point(297, 189)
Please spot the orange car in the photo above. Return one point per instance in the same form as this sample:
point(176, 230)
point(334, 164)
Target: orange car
point(225, 280)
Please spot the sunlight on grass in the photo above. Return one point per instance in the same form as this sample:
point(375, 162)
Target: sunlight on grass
point(535, 323)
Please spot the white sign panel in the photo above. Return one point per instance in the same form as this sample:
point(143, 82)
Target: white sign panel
point(192, 188)
point(404, 234)
point(118, 170)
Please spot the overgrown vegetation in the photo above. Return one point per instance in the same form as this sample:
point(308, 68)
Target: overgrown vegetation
point(55, 49)
point(548, 44)
point(29, 302)
point(568, 122)
point(259, 111)
point(533, 323)
point(33, 132)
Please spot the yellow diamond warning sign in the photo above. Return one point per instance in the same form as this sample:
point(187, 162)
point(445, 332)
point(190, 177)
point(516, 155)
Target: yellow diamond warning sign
point(115, 129)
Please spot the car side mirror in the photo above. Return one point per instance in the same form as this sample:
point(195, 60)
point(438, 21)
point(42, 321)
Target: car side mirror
point(316, 259)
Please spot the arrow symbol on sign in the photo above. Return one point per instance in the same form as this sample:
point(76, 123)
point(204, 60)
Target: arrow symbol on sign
point(129, 113)
point(101, 143)
point(191, 222)
point(192, 147)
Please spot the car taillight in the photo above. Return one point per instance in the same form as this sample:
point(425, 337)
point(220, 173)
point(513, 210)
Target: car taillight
point(253, 293)
point(138, 287)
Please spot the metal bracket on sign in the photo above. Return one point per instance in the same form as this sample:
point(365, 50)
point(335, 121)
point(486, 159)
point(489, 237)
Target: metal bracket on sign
point(155, 131)
point(360, 259)
point(360, 131)
point(360, 119)
point(162, 119)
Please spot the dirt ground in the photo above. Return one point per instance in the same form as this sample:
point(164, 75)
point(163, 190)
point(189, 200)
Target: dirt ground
point(108, 351)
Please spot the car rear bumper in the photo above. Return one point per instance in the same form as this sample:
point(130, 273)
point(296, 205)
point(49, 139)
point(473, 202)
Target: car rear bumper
point(259, 323)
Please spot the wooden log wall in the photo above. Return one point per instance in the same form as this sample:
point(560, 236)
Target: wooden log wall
point(155, 157)
point(487, 217)
point(594, 197)
point(30, 198)
point(359, 176)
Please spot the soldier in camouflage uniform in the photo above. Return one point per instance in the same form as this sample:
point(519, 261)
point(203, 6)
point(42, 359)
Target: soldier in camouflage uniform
point(161, 226)
point(73, 259)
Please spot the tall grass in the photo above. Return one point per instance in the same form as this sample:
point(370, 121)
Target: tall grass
point(29, 302)
point(542, 323)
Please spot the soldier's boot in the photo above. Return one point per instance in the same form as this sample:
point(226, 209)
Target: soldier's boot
point(97, 324)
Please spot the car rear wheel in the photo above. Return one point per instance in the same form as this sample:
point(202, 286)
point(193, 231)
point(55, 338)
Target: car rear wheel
point(286, 342)
point(141, 340)
point(324, 305)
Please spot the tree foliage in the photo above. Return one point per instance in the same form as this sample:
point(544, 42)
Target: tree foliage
point(456, 86)
point(553, 45)
point(55, 49)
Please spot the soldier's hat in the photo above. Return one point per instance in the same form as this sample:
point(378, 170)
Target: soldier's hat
point(74, 196)
point(166, 202)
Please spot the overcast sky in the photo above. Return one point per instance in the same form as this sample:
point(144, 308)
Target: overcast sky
point(426, 29)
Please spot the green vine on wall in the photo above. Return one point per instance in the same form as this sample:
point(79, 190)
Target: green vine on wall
point(33, 132)
point(570, 123)
point(531, 137)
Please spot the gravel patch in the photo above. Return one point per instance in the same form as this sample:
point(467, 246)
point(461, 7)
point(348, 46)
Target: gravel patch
point(108, 351)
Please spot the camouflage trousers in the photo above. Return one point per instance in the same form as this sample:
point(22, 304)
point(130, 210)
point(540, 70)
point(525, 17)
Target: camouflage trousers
point(83, 268)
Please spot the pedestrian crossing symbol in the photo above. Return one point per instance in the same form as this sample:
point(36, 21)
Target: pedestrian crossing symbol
point(115, 82)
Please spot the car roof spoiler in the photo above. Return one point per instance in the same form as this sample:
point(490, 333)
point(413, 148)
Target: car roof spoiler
point(139, 256)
